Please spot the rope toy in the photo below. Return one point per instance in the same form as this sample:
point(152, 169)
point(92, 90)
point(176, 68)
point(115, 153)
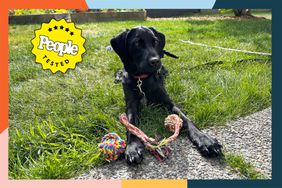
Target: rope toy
point(158, 148)
point(112, 146)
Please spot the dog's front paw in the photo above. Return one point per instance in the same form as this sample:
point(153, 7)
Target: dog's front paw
point(208, 147)
point(134, 153)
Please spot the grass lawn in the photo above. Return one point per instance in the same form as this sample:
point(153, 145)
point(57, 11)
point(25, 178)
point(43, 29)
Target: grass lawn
point(56, 120)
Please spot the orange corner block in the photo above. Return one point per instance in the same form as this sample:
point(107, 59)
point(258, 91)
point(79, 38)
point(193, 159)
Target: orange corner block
point(154, 183)
point(4, 66)
point(81, 4)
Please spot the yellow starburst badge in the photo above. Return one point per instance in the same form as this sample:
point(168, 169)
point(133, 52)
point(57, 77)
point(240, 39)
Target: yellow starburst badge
point(58, 45)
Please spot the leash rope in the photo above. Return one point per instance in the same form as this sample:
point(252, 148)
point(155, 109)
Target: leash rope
point(170, 54)
point(222, 48)
point(158, 148)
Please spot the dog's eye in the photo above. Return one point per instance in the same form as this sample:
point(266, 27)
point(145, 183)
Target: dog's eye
point(155, 42)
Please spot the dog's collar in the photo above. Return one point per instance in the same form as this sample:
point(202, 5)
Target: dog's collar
point(144, 76)
point(141, 77)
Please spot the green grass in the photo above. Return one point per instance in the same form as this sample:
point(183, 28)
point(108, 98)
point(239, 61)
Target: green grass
point(228, 13)
point(239, 164)
point(56, 120)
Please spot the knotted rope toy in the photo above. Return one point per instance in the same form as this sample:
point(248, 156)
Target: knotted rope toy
point(158, 148)
point(112, 146)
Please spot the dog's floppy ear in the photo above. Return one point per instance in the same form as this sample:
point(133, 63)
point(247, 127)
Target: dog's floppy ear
point(119, 44)
point(160, 36)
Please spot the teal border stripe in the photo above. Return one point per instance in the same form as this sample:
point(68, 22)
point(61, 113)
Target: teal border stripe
point(151, 4)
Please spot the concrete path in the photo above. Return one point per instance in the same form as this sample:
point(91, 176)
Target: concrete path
point(249, 137)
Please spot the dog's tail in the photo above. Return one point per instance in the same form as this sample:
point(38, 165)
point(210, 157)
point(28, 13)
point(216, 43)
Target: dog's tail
point(170, 54)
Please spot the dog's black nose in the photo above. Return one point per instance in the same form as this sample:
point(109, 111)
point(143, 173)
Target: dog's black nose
point(154, 61)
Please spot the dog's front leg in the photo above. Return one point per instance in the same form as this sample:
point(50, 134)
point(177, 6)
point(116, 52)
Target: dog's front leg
point(134, 149)
point(208, 146)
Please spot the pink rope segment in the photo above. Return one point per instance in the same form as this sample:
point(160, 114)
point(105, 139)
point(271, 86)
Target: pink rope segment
point(173, 122)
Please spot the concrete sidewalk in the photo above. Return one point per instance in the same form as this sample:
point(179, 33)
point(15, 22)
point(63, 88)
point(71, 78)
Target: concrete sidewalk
point(249, 136)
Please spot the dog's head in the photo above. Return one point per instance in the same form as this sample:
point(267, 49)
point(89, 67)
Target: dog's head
point(140, 49)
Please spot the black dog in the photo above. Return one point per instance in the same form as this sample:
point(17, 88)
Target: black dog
point(140, 49)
